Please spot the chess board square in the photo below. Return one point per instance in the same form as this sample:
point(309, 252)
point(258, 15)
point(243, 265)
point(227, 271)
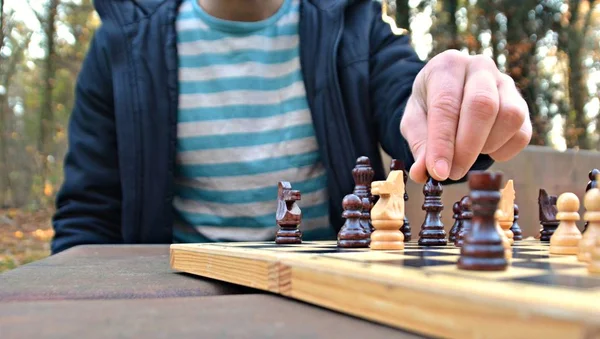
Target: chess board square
point(510, 272)
point(544, 265)
point(560, 280)
point(565, 259)
point(317, 250)
point(581, 271)
point(519, 255)
point(415, 262)
point(527, 250)
point(425, 253)
point(367, 255)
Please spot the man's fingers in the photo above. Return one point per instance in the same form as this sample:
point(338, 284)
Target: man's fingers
point(511, 116)
point(515, 144)
point(444, 84)
point(414, 129)
point(478, 112)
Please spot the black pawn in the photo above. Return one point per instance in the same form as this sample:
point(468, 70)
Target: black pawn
point(466, 214)
point(455, 227)
point(397, 165)
point(482, 249)
point(518, 234)
point(432, 231)
point(352, 233)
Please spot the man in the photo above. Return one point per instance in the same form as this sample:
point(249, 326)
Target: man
point(188, 113)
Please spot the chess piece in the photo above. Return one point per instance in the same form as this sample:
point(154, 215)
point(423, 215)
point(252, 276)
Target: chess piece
point(397, 165)
point(352, 234)
point(466, 216)
point(365, 219)
point(594, 265)
point(499, 215)
point(565, 239)
point(387, 216)
point(456, 225)
point(515, 228)
point(483, 248)
point(593, 183)
point(432, 230)
point(289, 215)
point(363, 176)
point(507, 206)
point(591, 202)
point(547, 212)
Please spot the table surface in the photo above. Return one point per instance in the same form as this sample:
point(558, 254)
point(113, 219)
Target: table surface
point(130, 291)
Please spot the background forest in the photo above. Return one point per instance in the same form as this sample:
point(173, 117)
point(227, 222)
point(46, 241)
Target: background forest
point(550, 47)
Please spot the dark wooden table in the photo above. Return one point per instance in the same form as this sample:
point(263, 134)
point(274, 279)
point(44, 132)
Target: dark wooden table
point(130, 292)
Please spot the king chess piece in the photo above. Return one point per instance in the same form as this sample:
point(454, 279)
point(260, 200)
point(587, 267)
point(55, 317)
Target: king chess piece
point(289, 215)
point(397, 165)
point(547, 214)
point(352, 234)
point(432, 230)
point(593, 183)
point(482, 249)
point(363, 175)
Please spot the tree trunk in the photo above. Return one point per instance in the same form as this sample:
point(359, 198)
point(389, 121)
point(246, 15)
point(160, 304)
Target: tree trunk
point(45, 144)
point(403, 14)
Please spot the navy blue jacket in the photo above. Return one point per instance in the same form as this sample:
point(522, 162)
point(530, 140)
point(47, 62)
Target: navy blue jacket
point(118, 172)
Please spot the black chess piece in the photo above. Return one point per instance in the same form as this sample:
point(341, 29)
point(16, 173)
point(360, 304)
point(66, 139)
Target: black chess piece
point(363, 175)
point(482, 249)
point(518, 234)
point(432, 230)
point(547, 211)
point(365, 219)
point(466, 215)
point(397, 165)
point(593, 183)
point(454, 230)
point(352, 233)
point(289, 215)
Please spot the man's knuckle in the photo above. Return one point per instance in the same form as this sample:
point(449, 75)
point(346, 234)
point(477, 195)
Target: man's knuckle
point(446, 106)
point(415, 145)
point(484, 61)
point(483, 105)
point(513, 115)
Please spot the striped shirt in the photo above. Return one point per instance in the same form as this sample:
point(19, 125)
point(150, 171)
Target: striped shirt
point(243, 125)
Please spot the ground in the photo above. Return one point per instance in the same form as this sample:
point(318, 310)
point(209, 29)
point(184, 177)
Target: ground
point(24, 236)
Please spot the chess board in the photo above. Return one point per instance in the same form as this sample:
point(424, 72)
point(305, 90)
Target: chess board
point(418, 289)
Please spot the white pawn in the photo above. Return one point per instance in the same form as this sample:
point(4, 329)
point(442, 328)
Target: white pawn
point(565, 239)
point(591, 202)
point(594, 265)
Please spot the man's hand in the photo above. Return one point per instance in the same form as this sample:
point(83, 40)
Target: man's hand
point(462, 106)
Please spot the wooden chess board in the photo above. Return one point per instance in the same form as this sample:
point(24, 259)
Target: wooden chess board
point(416, 289)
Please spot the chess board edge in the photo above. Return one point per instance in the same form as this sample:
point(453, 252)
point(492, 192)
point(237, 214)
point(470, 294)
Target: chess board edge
point(408, 298)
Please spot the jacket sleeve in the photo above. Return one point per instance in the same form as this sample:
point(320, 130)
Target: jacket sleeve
point(394, 65)
point(88, 205)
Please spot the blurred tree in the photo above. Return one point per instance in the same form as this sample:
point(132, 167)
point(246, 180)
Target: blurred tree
point(572, 35)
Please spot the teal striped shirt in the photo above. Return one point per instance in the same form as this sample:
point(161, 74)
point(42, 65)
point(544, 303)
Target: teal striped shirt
point(243, 125)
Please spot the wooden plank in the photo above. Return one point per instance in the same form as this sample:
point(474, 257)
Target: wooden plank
point(427, 293)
